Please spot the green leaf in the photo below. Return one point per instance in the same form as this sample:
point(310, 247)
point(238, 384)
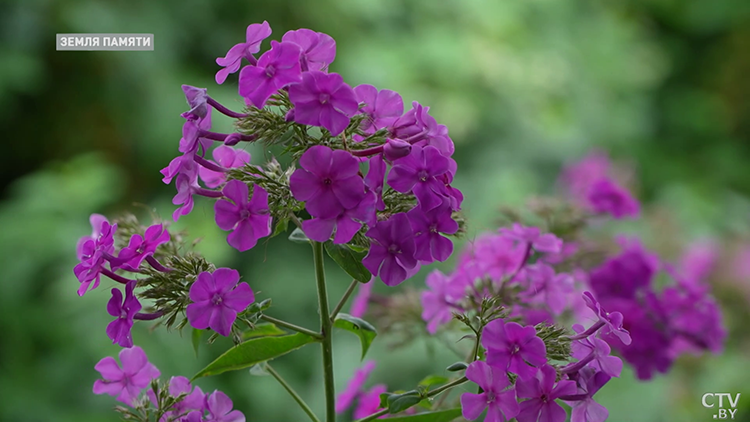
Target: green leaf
point(298, 236)
point(349, 261)
point(400, 402)
point(433, 380)
point(254, 351)
point(363, 329)
point(196, 337)
point(458, 366)
point(439, 416)
point(259, 370)
point(265, 329)
point(281, 226)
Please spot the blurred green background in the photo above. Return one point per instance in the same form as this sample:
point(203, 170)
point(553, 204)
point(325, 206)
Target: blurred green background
point(524, 87)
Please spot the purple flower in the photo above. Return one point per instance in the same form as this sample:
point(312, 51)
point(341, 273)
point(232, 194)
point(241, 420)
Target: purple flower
point(328, 182)
point(197, 100)
point(276, 68)
point(219, 408)
point(432, 133)
point(419, 171)
point(226, 157)
point(427, 227)
point(552, 288)
point(346, 397)
point(217, 298)
point(375, 179)
point(547, 242)
point(395, 149)
point(191, 134)
point(96, 221)
point(141, 247)
point(92, 254)
point(500, 403)
point(346, 224)
point(254, 35)
point(362, 299)
point(382, 108)
point(578, 177)
point(585, 409)
point(186, 187)
point(600, 352)
point(542, 392)
point(323, 99)
point(605, 196)
point(128, 382)
point(392, 250)
point(513, 347)
point(183, 164)
point(369, 402)
point(248, 220)
point(438, 303)
point(612, 321)
point(191, 402)
point(318, 49)
point(124, 310)
point(495, 255)
point(622, 276)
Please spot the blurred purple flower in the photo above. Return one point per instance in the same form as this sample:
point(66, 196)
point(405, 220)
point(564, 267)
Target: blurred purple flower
point(217, 299)
point(548, 242)
point(362, 299)
point(605, 196)
point(369, 402)
point(126, 383)
point(354, 387)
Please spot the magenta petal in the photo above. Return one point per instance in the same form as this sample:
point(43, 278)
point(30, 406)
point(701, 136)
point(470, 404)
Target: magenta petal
point(529, 411)
point(317, 160)
point(349, 191)
point(346, 228)
point(243, 237)
point(199, 314)
point(304, 185)
point(374, 258)
point(114, 306)
point(109, 369)
point(472, 405)
point(391, 272)
point(221, 320)
point(440, 247)
point(239, 298)
point(237, 191)
point(219, 404)
point(319, 229)
point(552, 412)
point(203, 288)
point(324, 205)
point(110, 388)
point(227, 214)
point(225, 279)
point(334, 121)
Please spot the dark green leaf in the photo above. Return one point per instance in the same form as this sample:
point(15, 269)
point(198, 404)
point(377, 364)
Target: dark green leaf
point(458, 366)
point(384, 400)
point(254, 351)
point(196, 337)
point(400, 402)
point(349, 261)
point(439, 416)
point(433, 380)
point(281, 226)
point(298, 236)
point(265, 329)
point(363, 329)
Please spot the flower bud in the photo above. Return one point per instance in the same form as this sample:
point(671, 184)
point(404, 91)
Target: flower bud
point(289, 116)
point(395, 149)
point(232, 139)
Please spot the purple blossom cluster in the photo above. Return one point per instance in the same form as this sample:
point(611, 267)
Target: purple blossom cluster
point(500, 264)
point(591, 184)
point(367, 401)
point(411, 156)
point(681, 317)
point(127, 382)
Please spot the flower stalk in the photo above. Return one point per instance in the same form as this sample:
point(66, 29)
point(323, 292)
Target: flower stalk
point(326, 331)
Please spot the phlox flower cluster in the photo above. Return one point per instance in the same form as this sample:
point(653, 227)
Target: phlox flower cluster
point(134, 382)
point(389, 180)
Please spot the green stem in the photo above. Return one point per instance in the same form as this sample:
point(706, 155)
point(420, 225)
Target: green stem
point(326, 331)
point(291, 326)
point(344, 298)
point(292, 393)
point(432, 393)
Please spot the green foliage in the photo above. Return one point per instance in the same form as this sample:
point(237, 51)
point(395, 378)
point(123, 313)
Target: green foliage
point(363, 329)
point(349, 261)
point(265, 329)
point(254, 351)
point(439, 416)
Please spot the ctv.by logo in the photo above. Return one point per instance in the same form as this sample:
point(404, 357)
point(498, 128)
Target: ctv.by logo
point(710, 400)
